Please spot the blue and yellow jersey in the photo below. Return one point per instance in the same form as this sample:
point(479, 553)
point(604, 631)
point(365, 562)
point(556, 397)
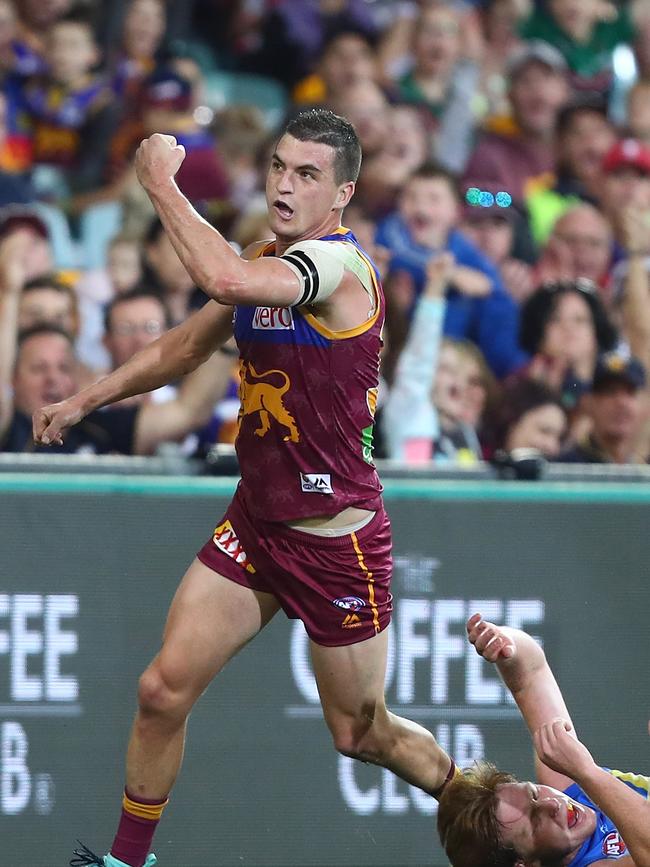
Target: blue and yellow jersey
point(605, 843)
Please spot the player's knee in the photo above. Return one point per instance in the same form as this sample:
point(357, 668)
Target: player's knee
point(160, 695)
point(359, 738)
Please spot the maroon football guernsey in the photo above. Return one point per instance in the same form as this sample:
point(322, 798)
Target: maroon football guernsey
point(308, 398)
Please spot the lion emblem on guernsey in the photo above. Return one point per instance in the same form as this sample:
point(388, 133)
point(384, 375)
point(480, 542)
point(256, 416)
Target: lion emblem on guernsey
point(266, 399)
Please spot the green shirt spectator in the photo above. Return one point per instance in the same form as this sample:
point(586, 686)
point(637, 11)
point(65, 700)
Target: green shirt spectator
point(589, 56)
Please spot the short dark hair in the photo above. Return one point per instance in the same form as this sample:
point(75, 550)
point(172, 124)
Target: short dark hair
point(324, 127)
point(433, 171)
point(539, 308)
point(79, 14)
point(48, 281)
point(37, 330)
point(134, 295)
point(585, 104)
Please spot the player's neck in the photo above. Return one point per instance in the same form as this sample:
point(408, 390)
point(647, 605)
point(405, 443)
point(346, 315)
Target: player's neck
point(327, 228)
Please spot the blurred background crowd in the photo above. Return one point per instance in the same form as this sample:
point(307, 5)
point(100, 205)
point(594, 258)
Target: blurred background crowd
point(504, 195)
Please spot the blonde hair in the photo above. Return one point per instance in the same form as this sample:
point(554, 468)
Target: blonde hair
point(467, 821)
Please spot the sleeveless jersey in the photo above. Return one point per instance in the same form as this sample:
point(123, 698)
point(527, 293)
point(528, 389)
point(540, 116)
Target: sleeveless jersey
point(605, 843)
point(308, 398)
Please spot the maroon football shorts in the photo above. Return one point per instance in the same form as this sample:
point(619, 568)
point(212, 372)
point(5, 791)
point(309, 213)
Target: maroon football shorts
point(339, 586)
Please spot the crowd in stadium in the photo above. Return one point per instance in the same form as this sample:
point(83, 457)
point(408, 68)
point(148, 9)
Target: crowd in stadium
point(504, 195)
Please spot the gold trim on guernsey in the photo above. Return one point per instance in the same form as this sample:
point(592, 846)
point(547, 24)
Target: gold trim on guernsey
point(144, 811)
point(318, 326)
point(369, 579)
point(638, 780)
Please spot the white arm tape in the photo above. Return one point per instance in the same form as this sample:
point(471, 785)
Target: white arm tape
point(317, 266)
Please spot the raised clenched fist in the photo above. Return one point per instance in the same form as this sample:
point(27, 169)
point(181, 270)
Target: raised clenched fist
point(157, 160)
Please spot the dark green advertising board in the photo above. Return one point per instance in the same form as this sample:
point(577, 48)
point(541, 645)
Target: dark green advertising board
point(88, 566)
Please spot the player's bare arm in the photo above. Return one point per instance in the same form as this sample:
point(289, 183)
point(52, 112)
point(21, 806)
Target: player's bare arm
point(522, 665)
point(207, 256)
point(176, 353)
point(302, 189)
point(557, 746)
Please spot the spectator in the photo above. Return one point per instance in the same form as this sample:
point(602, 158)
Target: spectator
point(457, 441)
point(625, 181)
point(94, 289)
point(443, 83)
point(35, 22)
point(580, 246)
point(167, 107)
point(638, 112)
point(24, 242)
point(409, 422)
point(564, 327)
point(241, 134)
point(527, 415)
point(294, 31)
point(44, 372)
point(140, 51)
point(480, 387)
point(477, 307)
point(515, 152)
point(15, 158)
point(585, 37)
point(47, 300)
point(132, 321)
point(500, 27)
point(494, 231)
point(167, 274)
point(70, 112)
point(615, 408)
point(406, 148)
point(583, 137)
point(347, 59)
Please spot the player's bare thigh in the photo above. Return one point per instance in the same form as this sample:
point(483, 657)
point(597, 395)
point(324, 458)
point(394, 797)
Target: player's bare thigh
point(351, 678)
point(210, 619)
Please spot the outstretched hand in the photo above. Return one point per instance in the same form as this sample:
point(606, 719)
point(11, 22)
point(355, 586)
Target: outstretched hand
point(50, 423)
point(157, 160)
point(489, 640)
point(558, 747)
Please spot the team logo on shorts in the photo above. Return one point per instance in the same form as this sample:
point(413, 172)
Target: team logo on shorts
point(226, 540)
point(613, 844)
point(349, 603)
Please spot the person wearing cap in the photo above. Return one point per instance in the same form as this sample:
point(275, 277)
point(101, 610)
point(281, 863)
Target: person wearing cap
point(583, 136)
point(500, 232)
point(515, 152)
point(625, 177)
point(615, 409)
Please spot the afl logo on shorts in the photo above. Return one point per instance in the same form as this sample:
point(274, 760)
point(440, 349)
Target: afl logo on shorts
point(614, 845)
point(349, 603)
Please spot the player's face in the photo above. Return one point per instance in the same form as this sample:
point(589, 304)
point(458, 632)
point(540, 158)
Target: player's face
point(303, 196)
point(44, 372)
point(541, 823)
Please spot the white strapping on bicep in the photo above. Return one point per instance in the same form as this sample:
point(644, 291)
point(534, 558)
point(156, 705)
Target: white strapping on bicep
point(319, 265)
